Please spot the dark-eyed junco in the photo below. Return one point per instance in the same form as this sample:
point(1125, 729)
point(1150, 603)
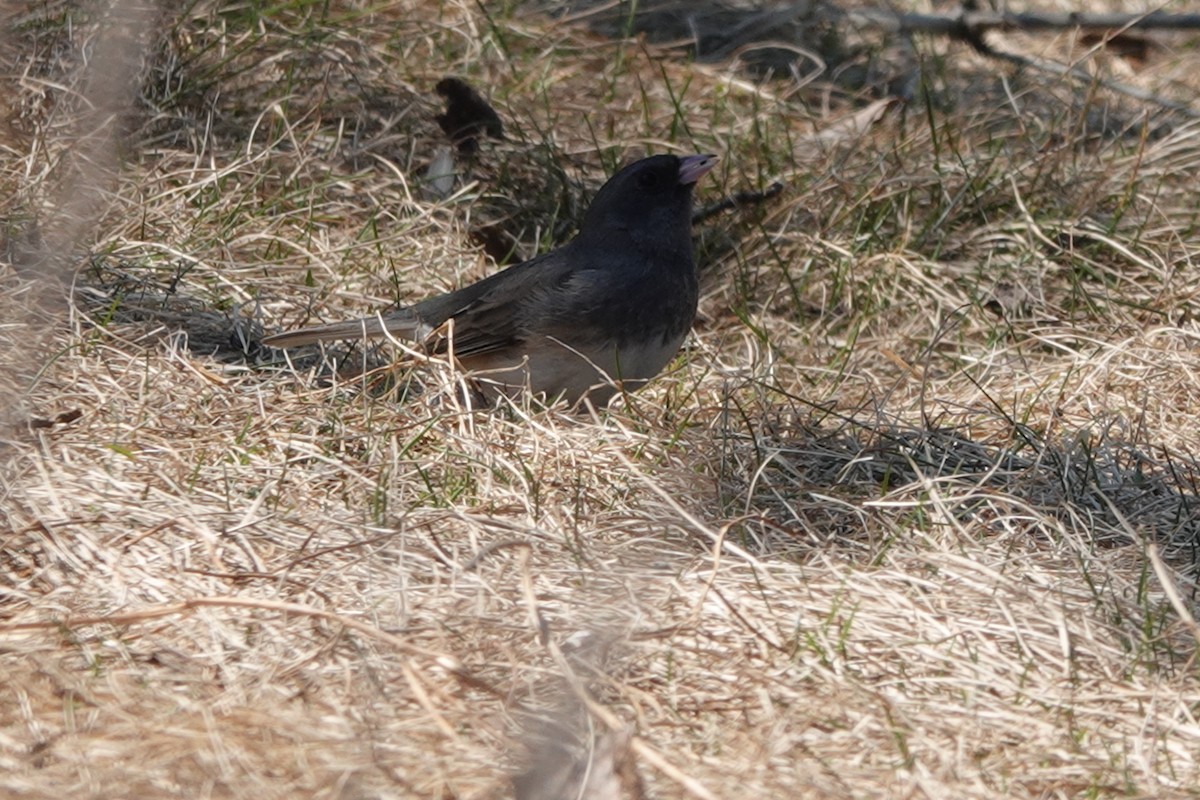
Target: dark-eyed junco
point(468, 116)
point(604, 312)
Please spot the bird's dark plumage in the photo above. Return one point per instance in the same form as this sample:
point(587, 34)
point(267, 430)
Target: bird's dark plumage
point(468, 116)
point(607, 310)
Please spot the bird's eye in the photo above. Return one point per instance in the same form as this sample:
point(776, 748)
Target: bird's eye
point(648, 180)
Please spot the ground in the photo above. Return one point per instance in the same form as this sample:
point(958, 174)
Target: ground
point(914, 513)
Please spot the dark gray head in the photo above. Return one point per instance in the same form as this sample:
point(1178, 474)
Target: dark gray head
point(648, 204)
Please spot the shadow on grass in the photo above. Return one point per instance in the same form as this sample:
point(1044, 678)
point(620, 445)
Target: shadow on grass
point(1111, 487)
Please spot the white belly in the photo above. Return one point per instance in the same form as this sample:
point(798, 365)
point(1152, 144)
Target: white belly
point(553, 368)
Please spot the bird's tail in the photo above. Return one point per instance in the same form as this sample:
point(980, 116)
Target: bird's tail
point(406, 326)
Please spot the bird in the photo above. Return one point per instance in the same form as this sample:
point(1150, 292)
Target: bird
point(468, 115)
point(602, 314)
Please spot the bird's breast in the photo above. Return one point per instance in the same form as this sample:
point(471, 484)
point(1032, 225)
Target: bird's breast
point(656, 302)
point(552, 367)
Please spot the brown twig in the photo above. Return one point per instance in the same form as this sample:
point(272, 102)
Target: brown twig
point(736, 201)
point(969, 26)
point(448, 662)
point(979, 21)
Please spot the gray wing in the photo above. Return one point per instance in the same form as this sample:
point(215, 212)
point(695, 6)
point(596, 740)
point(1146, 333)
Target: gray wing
point(504, 309)
point(488, 315)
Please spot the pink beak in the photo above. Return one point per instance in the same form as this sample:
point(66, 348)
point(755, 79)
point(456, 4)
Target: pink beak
point(693, 168)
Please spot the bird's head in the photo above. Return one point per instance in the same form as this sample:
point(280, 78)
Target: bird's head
point(647, 204)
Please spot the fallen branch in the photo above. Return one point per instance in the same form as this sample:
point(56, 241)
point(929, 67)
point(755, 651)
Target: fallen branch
point(448, 662)
point(738, 200)
point(981, 21)
point(970, 26)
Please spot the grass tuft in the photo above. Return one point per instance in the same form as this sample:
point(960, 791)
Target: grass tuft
point(914, 512)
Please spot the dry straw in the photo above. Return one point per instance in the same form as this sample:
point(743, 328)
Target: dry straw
point(912, 516)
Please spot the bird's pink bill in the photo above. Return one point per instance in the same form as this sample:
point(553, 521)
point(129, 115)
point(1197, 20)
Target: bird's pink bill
point(693, 168)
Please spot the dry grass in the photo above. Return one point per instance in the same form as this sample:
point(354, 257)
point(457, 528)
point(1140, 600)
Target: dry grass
point(913, 516)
